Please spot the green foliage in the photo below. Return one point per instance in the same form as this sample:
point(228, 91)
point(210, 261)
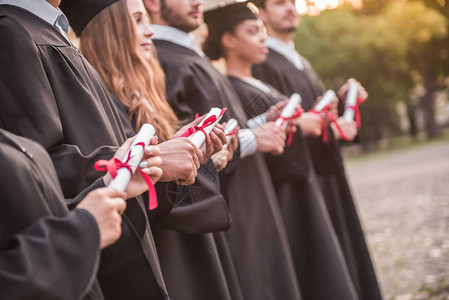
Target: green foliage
point(382, 46)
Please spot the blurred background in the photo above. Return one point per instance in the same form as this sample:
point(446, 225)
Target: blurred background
point(399, 165)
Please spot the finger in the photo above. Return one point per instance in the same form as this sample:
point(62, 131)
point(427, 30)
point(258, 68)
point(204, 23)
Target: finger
point(113, 193)
point(152, 162)
point(119, 204)
point(221, 135)
point(218, 142)
point(219, 127)
point(152, 151)
point(209, 146)
point(196, 157)
point(154, 140)
point(155, 174)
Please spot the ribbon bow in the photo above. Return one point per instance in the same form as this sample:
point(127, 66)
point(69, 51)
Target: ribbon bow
point(114, 164)
point(207, 122)
point(326, 111)
point(331, 117)
point(297, 114)
point(355, 107)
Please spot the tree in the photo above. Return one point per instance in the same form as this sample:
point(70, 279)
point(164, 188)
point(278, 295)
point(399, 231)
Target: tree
point(376, 48)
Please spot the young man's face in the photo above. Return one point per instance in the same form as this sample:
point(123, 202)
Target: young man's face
point(185, 15)
point(280, 15)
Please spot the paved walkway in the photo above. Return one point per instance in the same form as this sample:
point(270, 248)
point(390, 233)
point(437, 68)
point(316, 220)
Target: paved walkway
point(403, 202)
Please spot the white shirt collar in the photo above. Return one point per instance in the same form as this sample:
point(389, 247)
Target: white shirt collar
point(285, 49)
point(176, 36)
point(41, 9)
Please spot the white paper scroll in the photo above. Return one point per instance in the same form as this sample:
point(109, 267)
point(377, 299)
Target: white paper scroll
point(231, 125)
point(351, 101)
point(288, 110)
point(327, 98)
point(133, 157)
point(198, 137)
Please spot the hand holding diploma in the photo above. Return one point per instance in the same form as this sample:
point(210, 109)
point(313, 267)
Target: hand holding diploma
point(290, 112)
point(230, 130)
point(106, 205)
point(270, 138)
point(198, 134)
point(327, 101)
point(206, 134)
point(180, 160)
point(310, 124)
point(221, 158)
point(343, 129)
point(131, 153)
point(355, 94)
point(326, 106)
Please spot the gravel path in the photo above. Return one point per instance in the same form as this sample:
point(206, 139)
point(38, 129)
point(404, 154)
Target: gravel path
point(403, 202)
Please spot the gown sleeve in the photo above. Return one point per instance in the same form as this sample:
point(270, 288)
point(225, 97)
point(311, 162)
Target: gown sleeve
point(29, 108)
point(45, 251)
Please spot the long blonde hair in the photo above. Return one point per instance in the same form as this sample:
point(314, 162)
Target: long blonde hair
point(108, 43)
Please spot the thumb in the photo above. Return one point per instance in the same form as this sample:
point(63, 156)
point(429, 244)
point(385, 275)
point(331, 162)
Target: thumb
point(114, 193)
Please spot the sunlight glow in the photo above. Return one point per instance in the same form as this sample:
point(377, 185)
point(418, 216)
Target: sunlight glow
point(314, 7)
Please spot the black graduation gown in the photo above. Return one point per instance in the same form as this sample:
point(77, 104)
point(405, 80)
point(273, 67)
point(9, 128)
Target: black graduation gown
point(186, 247)
point(317, 255)
point(49, 93)
point(328, 163)
point(257, 239)
point(45, 251)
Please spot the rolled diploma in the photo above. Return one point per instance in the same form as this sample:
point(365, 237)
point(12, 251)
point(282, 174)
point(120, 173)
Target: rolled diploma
point(198, 138)
point(351, 101)
point(288, 110)
point(146, 133)
point(230, 126)
point(325, 100)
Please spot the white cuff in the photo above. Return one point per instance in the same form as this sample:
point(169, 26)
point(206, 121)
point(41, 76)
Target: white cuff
point(257, 121)
point(248, 143)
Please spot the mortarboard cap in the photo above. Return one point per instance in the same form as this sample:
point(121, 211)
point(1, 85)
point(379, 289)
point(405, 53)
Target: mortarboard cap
point(80, 12)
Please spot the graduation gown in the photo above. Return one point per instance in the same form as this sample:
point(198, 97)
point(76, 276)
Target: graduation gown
point(328, 163)
point(183, 236)
point(45, 251)
point(317, 255)
point(51, 94)
point(257, 240)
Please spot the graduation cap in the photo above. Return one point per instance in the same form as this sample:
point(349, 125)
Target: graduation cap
point(228, 13)
point(224, 16)
point(80, 12)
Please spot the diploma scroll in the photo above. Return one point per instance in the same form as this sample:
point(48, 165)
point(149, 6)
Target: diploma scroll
point(133, 157)
point(231, 125)
point(288, 110)
point(199, 137)
point(351, 102)
point(324, 102)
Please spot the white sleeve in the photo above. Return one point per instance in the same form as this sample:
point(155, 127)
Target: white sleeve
point(248, 142)
point(257, 121)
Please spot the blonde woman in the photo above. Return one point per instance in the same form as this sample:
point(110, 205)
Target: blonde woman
point(116, 40)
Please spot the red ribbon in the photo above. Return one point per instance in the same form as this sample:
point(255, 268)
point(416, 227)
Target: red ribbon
point(331, 117)
point(234, 131)
point(355, 107)
point(207, 122)
point(114, 164)
point(297, 114)
point(323, 124)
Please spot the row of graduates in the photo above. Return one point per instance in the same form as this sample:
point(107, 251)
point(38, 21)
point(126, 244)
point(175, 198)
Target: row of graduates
point(254, 220)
